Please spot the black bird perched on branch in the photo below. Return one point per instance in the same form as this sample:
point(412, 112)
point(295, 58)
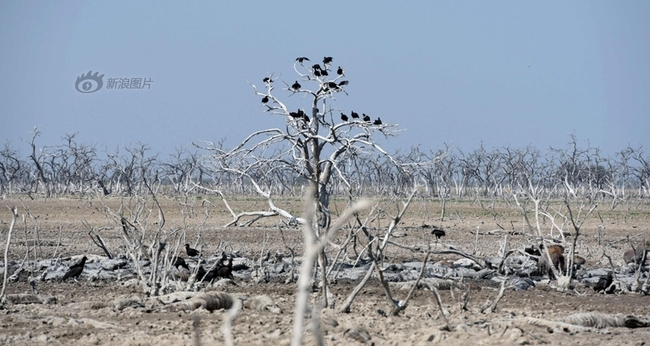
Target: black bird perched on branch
point(332, 85)
point(191, 252)
point(265, 99)
point(365, 117)
point(355, 115)
point(327, 60)
point(317, 73)
point(339, 71)
point(437, 232)
point(324, 72)
point(378, 121)
point(344, 117)
point(267, 80)
point(316, 67)
point(296, 86)
point(75, 270)
point(301, 59)
point(300, 114)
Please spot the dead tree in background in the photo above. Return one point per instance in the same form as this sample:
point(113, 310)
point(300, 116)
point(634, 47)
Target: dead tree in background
point(38, 164)
point(14, 173)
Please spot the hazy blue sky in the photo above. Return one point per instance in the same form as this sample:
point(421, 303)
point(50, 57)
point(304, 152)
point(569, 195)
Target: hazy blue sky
point(503, 73)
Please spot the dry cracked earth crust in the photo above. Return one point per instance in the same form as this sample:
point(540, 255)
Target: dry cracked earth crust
point(86, 314)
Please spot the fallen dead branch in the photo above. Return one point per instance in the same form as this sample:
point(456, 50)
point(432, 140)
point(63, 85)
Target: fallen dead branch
point(94, 323)
point(261, 303)
point(210, 301)
point(599, 320)
point(27, 298)
point(588, 322)
point(554, 325)
point(176, 297)
point(121, 304)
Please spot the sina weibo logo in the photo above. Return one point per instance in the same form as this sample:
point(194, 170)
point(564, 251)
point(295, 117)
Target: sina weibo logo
point(89, 83)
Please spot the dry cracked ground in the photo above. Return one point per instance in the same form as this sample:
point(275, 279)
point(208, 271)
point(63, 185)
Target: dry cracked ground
point(90, 312)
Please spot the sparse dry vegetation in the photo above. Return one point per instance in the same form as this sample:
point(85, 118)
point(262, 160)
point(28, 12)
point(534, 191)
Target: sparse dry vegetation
point(113, 306)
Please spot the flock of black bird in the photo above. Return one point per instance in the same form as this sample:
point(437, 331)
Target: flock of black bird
point(319, 71)
point(366, 118)
point(221, 269)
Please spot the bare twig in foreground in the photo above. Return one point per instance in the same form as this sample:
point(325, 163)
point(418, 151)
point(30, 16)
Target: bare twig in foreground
point(493, 306)
point(439, 301)
point(402, 306)
point(14, 216)
point(227, 322)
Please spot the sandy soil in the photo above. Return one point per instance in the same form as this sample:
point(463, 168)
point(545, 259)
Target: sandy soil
point(83, 313)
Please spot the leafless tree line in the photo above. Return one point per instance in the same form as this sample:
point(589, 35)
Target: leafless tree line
point(73, 168)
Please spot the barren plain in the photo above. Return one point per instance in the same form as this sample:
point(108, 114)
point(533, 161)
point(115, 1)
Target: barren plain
point(83, 313)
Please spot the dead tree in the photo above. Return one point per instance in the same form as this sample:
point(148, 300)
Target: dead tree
point(314, 142)
point(14, 175)
point(37, 159)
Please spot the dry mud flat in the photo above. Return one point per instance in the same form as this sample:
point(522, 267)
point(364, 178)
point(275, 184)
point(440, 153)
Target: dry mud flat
point(108, 312)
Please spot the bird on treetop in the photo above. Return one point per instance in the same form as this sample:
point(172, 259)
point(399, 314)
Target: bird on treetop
point(344, 117)
point(378, 121)
point(267, 80)
point(265, 99)
point(365, 117)
point(339, 71)
point(327, 60)
point(355, 115)
point(296, 86)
